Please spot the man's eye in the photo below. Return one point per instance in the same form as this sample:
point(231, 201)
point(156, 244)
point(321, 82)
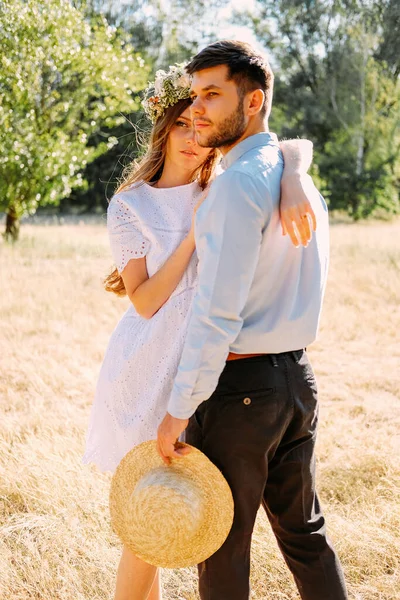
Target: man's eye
point(212, 94)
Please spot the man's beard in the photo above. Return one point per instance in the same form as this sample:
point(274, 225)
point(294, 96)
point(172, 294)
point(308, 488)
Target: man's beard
point(230, 130)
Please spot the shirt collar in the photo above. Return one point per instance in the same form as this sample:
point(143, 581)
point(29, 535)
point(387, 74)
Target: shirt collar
point(253, 141)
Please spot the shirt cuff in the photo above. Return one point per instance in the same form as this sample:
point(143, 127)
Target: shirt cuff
point(180, 408)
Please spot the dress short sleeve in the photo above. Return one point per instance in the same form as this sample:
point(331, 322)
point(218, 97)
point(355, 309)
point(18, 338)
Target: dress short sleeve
point(126, 238)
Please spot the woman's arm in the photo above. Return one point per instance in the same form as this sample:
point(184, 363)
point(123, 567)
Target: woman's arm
point(297, 191)
point(148, 294)
point(297, 155)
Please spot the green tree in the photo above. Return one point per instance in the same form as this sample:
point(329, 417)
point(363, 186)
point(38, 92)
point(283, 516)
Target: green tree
point(63, 80)
point(163, 34)
point(338, 83)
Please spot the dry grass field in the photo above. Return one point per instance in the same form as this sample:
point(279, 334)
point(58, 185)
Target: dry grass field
point(55, 320)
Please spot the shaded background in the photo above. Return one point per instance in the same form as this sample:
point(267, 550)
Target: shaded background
point(72, 73)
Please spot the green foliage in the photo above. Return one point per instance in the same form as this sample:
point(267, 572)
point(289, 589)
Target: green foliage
point(63, 80)
point(164, 32)
point(68, 74)
point(164, 35)
point(338, 83)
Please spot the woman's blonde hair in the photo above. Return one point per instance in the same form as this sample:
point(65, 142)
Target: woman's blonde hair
point(149, 170)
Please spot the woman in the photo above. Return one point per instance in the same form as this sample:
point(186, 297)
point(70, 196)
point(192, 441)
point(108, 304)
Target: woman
point(151, 227)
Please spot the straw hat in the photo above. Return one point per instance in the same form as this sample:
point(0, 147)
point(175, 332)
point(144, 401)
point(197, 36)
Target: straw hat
point(170, 516)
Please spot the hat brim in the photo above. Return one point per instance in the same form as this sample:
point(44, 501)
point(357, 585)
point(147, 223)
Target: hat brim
point(179, 550)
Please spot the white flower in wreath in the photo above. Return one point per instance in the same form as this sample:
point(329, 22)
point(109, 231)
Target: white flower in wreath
point(159, 82)
point(183, 81)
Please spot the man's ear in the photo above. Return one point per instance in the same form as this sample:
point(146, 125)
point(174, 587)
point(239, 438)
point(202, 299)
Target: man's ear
point(255, 102)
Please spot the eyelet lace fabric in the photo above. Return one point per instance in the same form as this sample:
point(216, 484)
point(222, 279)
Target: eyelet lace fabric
point(143, 355)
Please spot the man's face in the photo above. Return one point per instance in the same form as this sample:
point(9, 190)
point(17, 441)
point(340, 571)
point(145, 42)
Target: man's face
point(217, 109)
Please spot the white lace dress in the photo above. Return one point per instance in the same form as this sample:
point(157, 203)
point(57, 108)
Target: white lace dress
point(142, 357)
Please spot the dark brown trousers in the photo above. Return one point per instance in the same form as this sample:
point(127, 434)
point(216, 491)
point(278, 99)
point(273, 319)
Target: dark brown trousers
point(259, 428)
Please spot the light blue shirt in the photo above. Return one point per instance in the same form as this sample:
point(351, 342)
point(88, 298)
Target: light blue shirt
point(256, 292)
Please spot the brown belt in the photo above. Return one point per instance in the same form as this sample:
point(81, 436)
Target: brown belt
point(233, 356)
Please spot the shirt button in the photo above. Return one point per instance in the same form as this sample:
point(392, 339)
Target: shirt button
point(247, 401)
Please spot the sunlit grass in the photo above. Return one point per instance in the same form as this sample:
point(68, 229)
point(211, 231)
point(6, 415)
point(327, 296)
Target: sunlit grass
point(55, 538)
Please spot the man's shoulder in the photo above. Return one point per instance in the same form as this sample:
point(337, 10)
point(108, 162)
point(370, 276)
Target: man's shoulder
point(236, 182)
point(259, 166)
point(259, 161)
point(263, 158)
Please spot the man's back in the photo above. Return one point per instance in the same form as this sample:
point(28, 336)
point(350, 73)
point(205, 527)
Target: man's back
point(285, 298)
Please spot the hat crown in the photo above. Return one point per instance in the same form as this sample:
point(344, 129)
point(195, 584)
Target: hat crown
point(172, 479)
point(162, 495)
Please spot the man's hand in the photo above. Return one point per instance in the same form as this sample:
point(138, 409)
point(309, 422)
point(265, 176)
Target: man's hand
point(167, 437)
point(297, 216)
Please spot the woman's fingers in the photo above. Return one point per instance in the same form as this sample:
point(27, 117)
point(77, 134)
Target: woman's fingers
point(288, 219)
point(313, 217)
point(291, 228)
point(298, 222)
point(303, 226)
point(297, 215)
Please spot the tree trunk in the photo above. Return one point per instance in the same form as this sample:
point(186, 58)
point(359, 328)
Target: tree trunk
point(361, 135)
point(11, 232)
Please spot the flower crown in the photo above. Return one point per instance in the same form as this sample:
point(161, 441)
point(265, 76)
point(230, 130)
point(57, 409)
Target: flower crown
point(167, 89)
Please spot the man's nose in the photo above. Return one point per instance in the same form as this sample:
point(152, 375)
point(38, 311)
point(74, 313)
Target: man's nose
point(196, 107)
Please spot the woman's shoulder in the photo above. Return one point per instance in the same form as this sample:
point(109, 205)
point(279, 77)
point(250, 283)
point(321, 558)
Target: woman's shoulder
point(129, 193)
point(144, 201)
point(129, 199)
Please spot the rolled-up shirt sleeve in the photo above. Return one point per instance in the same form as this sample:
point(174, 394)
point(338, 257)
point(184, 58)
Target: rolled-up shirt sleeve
point(228, 229)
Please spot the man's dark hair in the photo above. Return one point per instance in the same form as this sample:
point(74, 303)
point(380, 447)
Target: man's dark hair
point(246, 67)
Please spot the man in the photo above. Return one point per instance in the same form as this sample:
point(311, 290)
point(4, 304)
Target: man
point(244, 379)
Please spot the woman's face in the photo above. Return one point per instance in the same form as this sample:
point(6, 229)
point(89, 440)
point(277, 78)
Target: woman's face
point(182, 149)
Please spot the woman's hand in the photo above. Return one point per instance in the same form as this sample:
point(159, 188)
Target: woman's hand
point(297, 216)
point(199, 203)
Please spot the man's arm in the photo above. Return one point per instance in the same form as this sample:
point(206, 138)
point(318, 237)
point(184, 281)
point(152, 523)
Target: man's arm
point(297, 191)
point(228, 238)
point(228, 256)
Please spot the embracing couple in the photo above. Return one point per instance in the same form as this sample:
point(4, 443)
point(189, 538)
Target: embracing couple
point(223, 306)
